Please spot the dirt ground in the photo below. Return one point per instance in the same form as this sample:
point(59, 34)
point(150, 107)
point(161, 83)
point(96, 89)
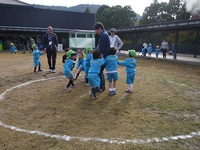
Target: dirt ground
point(165, 103)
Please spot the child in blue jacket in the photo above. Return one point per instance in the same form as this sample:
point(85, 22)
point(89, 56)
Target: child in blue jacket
point(150, 49)
point(111, 69)
point(36, 57)
point(80, 64)
point(68, 66)
point(13, 49)
point(88, 53)
point(130, 64)
point(157, 51)
point(93, 75)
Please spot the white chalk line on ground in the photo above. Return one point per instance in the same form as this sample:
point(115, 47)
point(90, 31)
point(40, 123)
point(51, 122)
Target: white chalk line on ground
point(85, 139)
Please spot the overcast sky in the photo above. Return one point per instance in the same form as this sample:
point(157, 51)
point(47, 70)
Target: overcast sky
point(137, 5)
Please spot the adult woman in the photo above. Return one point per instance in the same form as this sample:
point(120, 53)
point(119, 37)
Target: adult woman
point(164, 47)
point(115, 41)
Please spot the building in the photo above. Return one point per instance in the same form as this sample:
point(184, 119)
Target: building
point(19, 21)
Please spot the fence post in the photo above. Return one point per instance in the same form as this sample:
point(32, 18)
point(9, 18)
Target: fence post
point(176, 44)
point(196, 46)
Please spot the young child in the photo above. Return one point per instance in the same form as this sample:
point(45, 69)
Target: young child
point(150, 49)
point(71, 55)
point(64, 57)
point(36, 57)
point(130, 64)
point(93, 75)
point(13, 49)
point(157, 51)
point(88, 52)
point(80, 64)
point(111, 69)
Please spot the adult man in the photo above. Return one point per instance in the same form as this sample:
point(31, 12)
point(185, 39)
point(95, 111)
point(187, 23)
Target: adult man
point(50, 42)
point(103, 47)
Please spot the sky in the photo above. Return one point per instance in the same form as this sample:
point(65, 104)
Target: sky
point(137, 5)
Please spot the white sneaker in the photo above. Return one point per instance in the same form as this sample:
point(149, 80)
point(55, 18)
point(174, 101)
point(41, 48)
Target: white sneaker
point(68, 89)
point(53, 71)
point(50, 70)
point(87, 84)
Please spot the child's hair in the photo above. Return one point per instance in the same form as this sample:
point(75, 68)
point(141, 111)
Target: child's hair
point(81, 54)
point(112, 51)
point(96, 54)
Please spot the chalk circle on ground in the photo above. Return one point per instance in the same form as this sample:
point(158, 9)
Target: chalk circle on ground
point(85, 139)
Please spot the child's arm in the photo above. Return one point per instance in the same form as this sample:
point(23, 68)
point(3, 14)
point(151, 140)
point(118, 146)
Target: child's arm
point(123, 63)
point(41, 53)
point(78, 64)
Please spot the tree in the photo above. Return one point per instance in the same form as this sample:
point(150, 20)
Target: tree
point(116, 16)
point(87, 10)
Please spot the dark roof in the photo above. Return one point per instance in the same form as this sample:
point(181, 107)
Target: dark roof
point(14, 2)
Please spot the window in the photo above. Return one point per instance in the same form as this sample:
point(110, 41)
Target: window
point(81, 35)
point(72, 35)
point(89, 35)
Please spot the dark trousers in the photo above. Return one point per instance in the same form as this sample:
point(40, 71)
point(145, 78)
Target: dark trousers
point(51, 56)
point(164, 52)
point(145, 52)
point(102, 79)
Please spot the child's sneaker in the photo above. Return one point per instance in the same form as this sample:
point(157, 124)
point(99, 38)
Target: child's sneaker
point(110, 92)
point(87, 84)
point(114, 93)
point(40, 70)
point(68, 89)
point(53, 71)
point(50, 70)
point(74, 85)
point(128, 91)
point(93, 96)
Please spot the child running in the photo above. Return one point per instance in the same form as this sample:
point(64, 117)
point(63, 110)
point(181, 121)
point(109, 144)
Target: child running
point(13, 49)
point(93, 75)
point(36, 58)
point(111, 69)
point(130, 64)
point(80, 64)
point(88, 52)
point(71, 55)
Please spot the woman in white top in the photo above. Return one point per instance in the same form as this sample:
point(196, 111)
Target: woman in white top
point(115, 41)
point(145, 48)
point(164, 47)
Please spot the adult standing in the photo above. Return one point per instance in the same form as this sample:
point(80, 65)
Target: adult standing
point(50, 42)
point(164, 47)
point(145, 48)
point(115, 41)
point(103, 47)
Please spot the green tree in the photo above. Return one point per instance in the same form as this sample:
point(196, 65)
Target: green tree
point(116, 16)
point(87, 10)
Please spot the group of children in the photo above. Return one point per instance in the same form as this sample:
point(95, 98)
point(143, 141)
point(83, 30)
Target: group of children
point(91, 63)
point(150, 50)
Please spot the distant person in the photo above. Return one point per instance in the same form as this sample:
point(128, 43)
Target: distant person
point(13, 49)
point(36, 58)
point(26, 46)
point(150, 49)
point(111, 69)
point(143, 51)
point(145, 48)
point(164, 47)
point(130, 64)
point(115, 41)
point(103, 47)
point(50, 42)
point(157, 50)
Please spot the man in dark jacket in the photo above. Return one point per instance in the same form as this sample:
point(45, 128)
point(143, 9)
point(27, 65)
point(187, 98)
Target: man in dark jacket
point(103, 47)
point(50, 42)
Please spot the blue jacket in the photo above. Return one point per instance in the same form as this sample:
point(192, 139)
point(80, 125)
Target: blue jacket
point(95, 65)
point(81, 63)
point(88, 58)
point(150, 49)
point(111, 63)
point(104, 43)
point(36, 54)
point(68, 66)
point(13, 49)
point(130, 64)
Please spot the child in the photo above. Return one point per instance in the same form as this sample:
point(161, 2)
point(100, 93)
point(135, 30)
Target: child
point(64, 58)
point(36, 58)
point(13, 49)
point(80, 64)
point(111, 69)
point(157, 51)
point(88, 52)
point(71, 55)
point(93, 74)
point(150, 49)
point(130, 64)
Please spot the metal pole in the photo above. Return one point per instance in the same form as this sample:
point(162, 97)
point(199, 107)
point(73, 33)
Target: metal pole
point(196, 47)
point(176, 45)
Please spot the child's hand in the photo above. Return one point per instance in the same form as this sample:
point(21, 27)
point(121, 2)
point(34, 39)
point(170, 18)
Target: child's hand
point(101, 55)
